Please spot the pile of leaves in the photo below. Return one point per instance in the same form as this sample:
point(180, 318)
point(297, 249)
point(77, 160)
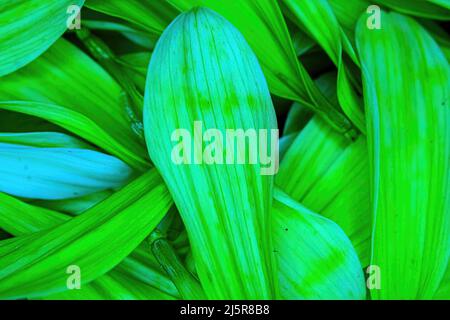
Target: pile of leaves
point(93, 207)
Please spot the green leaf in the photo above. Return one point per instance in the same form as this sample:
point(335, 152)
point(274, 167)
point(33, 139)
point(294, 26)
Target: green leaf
point(432, 9)
point(28, 28)
point(151, 16)
point(316, 259)
point(348, 14)
point(44, 139)
point(115, 286)
point(407, 89)
point(140, 268)
point(263, 26)
point(76, 123)
point(318, 18)
point(444, 289)
point(329, 175)
point(35, 265)
point(74, 206)
point(226, 208)
point(71, 73)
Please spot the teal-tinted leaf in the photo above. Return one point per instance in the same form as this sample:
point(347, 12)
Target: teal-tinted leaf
point(58, 173)
point(35, 265)
point(316, 259)
point(28, 28)
point(225, 207)
point(71, 74)
point(407, 89)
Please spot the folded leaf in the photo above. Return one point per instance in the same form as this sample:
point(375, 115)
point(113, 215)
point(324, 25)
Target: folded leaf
point(316, 259)
point(407, 89)
point(29, 27)
point(226, 208)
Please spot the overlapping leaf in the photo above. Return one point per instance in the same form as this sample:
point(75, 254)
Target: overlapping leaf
point(58, 173)
point(35, 264)
point(70, 74)
point(325, 268)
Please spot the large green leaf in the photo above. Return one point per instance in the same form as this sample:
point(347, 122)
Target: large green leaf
point(316, 259)
point(407, 89)
point(71, 74)
point(28, 28)
point(34, 265)
point(58, 173)
point(226, 208)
